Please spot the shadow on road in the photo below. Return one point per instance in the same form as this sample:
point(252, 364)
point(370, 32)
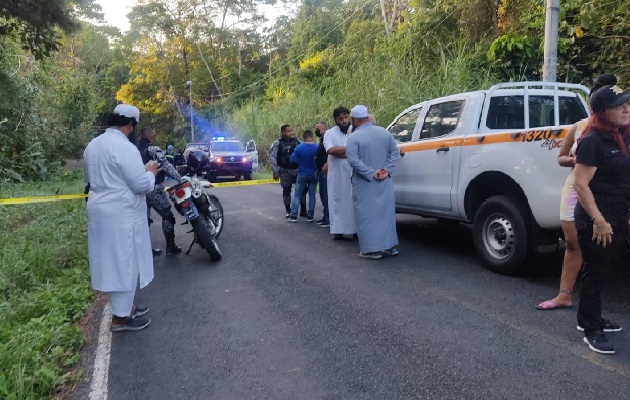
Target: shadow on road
point(543, 269)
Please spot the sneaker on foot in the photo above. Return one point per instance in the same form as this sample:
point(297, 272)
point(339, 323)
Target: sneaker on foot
point(139, 311)
point(598, 343)
point(337, 236)
point(292, 219)
point(608, 327)
point(130, 324)
point(325, 224)
point(156, 252)
point(319, 222)
point(391, 252)
point(375, 255)
point(310, 219)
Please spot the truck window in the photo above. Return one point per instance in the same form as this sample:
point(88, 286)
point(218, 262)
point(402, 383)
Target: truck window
point(402, 130)
point(441, 119)
point(507, 112)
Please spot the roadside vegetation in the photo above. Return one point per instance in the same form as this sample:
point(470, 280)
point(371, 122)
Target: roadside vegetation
point(44, 288)
point(61, 74)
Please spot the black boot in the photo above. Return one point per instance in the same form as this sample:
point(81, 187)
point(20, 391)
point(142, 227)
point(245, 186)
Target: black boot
point(171, 247)
point(287, 208)
point(303, 210)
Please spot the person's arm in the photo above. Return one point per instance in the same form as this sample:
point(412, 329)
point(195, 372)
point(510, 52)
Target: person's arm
point(352, 151)
point(140, 179)
point(338, 151)
point(392, 157)
point(273, 159)
point(158, 155)
point(602, 230)
point(335, 151)
point(295, 156)
point(565, 159)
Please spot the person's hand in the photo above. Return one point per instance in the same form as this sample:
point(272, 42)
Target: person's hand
point(381, 174)
point(276, 176)
point(153, 167)
point(573, 160)
point(325, 168)
point(602, 231)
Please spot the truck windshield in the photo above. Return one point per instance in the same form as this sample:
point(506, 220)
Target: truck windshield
point(227, 146)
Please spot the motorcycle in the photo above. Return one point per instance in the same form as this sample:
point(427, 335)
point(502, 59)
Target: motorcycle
point(202, 210)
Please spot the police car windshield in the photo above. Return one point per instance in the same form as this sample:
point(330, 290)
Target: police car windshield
point(227, 146)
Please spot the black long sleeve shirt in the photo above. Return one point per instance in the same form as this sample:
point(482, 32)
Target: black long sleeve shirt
point(321, 157)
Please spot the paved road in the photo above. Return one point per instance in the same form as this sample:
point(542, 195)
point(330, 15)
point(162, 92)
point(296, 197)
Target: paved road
point(291, 314)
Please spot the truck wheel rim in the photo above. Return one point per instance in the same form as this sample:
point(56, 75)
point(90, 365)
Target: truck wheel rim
point(498, 236)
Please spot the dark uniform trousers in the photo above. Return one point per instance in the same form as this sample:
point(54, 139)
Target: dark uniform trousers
point(597, 260)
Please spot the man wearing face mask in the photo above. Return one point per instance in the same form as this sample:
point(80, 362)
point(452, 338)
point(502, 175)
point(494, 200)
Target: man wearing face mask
point(339, 177)
point(321, 159)
point(119, 246)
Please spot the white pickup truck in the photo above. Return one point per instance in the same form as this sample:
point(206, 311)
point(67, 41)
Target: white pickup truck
point(490, 158)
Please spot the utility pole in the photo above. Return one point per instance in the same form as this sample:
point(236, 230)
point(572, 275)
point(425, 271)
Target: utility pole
point(551, 40)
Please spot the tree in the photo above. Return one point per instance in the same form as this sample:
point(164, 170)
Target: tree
point(32, 23)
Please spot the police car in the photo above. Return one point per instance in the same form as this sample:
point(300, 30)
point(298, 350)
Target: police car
point(489, 158)
point(230, 158)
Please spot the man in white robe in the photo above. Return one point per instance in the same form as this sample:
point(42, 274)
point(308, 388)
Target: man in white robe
point(338, 177)
point(119, 246)
point(373, 154)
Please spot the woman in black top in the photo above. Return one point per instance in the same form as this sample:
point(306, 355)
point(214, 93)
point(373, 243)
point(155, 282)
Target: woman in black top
point(602, 182)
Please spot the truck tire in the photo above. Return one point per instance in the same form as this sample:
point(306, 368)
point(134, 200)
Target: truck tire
point(205, 238)
point(248, 176)
point(500, 234)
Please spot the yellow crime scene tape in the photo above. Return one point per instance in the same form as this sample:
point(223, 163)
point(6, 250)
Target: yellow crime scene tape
point(41, 199)
point(58, 197)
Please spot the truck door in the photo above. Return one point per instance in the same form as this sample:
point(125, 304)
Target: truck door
point(432, 156)
point(403, 130)
point(250, 148)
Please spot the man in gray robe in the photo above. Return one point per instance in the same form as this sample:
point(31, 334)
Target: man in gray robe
point(373, 154)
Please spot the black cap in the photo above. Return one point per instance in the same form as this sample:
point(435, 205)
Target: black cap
point(608, 97)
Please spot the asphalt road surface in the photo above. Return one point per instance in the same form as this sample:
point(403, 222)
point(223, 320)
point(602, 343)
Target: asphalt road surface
point(291, 314)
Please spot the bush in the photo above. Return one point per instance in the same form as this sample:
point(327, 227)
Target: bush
point(44, 288)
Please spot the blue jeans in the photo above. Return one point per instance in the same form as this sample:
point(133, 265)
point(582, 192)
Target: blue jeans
point(323, 195)
point(302, 182)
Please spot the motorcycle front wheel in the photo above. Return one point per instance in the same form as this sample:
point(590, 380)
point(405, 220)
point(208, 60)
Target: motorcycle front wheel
point(204, 237)
point(215, 215)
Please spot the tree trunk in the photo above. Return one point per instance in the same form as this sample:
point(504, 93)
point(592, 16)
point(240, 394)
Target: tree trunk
point(384, 12)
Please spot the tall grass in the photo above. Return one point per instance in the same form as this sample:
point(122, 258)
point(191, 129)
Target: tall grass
point(44, 288)
point(385, 81)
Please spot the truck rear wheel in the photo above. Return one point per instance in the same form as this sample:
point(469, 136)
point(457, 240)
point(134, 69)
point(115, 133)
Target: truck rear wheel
point(500, 234)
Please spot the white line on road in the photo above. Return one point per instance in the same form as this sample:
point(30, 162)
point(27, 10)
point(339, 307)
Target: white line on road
point(98, 388)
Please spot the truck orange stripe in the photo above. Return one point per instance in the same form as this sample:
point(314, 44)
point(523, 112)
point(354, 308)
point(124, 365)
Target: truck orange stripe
point(490, 138)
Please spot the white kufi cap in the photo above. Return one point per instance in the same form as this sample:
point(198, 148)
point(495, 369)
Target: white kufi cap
point(359, 112)
point(128, 111)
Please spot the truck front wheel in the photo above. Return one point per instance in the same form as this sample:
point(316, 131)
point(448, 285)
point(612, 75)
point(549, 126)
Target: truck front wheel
point(500, 234)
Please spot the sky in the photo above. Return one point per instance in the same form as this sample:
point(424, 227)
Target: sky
point(116, 10)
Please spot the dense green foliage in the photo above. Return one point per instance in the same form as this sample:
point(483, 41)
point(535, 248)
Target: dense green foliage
point(249, 79)
point(44, 288)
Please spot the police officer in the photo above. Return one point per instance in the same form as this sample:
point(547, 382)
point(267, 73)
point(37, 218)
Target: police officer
point(279, 155)
point(158, 199)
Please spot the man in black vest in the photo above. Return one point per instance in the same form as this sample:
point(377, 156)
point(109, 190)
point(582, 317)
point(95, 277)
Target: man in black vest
point(158, 199)
point(279, 155)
